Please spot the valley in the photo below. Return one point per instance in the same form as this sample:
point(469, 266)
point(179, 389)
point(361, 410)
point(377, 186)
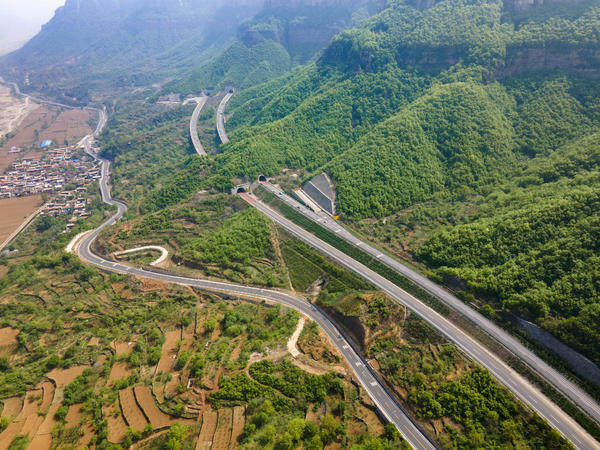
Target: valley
point(433, 285)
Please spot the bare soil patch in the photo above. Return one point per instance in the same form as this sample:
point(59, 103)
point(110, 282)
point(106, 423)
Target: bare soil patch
point(62, 377)
point(12, 406)
point(14, 213)
point(10, 433)
point(13, 110)
point(209, 425)
point(145, 400)
point(117, 428)
point(122, 348)
point(119, 370)
point(169, 351)
point(133, 415)
point(8, 336)
point(223, 432)
point(239, 420)
point(70, 126)
point(49, 421)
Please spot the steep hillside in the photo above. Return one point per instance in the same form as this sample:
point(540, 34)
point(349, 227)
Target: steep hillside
point(125, 41)
point(283, 34)
point(425, 116)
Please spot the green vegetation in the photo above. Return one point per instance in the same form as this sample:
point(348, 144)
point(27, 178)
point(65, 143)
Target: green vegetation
point(444, 391)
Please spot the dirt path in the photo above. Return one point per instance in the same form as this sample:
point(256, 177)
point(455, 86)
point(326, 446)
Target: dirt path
point(291, 345)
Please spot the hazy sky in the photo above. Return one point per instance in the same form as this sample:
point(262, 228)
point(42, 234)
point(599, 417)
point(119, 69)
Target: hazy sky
point(22, 19)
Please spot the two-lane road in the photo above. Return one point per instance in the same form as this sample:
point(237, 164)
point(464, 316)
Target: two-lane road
point(524, 390)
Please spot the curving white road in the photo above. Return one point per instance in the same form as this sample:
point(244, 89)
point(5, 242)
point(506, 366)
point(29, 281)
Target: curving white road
point(164, 254)
point(522, 388)
point(221, 118)
point(383, 399)
point(194, 125)
point(551, 375)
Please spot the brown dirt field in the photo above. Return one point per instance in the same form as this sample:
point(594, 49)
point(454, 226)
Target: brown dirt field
point(32, 424)
point(169, 351)
point(70, 125)
point(133, 415)
point(8, 336)
point(209, 425)
point(12, 406)
point(36, 120)
point(14, 213)
point(41, 442)
point(235, 354)
point(74, 419)
point(10, 433)
point(145, 400)
point(48, 389)
point(49, 421)
point(62, 377)
point(30, 405)
point(3, 271)
point(117, 428)
point(239, 420)
point(223, 432)
point(122, 348)
point(119, 370)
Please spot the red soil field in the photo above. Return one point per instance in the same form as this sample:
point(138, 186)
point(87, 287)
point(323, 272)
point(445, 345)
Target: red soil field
point(14, 213)
point(117, 428)
point(239, 420)
point(209, 425)
point(223, 432)
point(62, 377)
point(133, 415)
point(169, 351)
point(145, 400)
point(12, 406)
point(119, 370)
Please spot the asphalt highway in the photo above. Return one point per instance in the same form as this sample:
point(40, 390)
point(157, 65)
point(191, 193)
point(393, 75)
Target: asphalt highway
point(559, 381)
point(194, 126)
point(221, 118)
point(376, 390)
point(524, 390)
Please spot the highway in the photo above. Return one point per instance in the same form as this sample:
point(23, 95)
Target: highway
point(221, 118)
point(385, 402)
point(194, 125)
point(524, 390)
point(551, 375)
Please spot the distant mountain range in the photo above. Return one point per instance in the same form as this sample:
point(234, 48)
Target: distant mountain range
point(126, 42)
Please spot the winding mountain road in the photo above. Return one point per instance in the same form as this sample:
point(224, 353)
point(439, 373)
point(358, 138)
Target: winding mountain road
point(194, 125)
point(521, 387)
point(385, 402)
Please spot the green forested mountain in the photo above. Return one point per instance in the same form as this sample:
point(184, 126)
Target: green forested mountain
point(464, 103)
point(283, 34)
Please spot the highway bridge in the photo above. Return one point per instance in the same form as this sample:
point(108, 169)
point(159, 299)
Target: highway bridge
point(221, 117)
point(200, 102)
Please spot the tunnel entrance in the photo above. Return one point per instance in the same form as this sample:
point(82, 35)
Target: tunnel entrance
point(241, 190)
point(262, 179)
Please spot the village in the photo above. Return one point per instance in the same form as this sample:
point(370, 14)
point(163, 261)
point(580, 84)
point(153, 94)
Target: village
point(62, 175)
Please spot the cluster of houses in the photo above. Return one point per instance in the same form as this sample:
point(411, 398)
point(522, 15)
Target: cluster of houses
point(63, 174)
